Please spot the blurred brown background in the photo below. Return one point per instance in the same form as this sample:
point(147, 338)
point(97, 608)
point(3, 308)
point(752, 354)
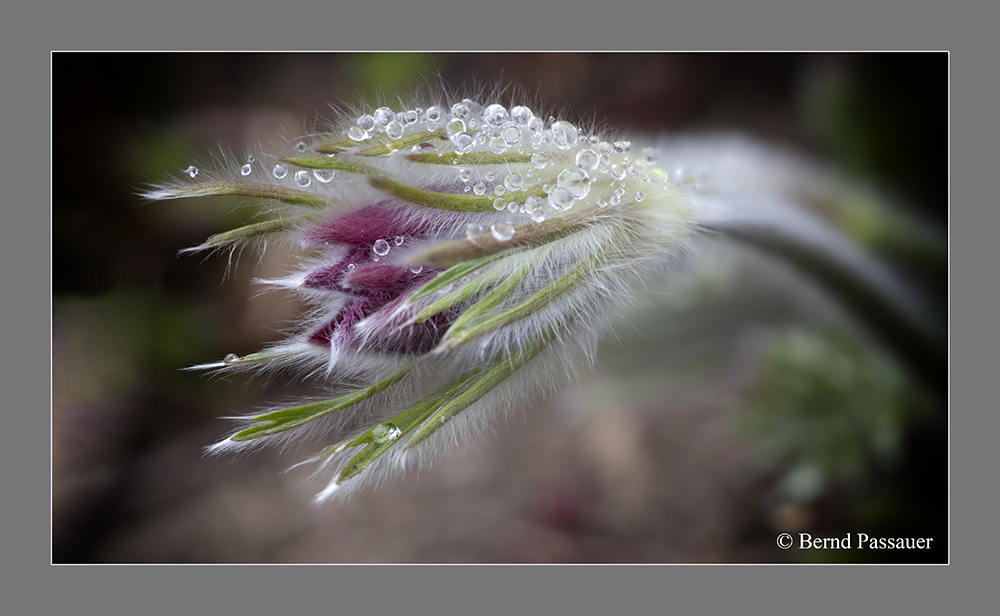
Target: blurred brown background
point(592, 475)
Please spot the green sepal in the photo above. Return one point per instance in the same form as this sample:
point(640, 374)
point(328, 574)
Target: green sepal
point(243, 189)
point(285, 419)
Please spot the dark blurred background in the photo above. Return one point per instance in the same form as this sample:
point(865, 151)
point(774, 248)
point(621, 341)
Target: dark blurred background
point(583, 477)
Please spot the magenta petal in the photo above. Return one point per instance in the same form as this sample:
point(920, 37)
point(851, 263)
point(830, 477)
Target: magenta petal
point(387, 278)
point(337, 329)
point(330, 277)
point(381, 221)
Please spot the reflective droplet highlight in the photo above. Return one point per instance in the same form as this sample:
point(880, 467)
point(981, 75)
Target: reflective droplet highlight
point(381, 248)
point(302, 179)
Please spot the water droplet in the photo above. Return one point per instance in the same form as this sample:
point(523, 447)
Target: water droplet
point(473, 124)
point(323, 175)
point(499, 190)
point(490, 176)
point(564, 135)
point(464, 175)
point(302, 179)
point(385, 433)
point(410, 117)
point(366, 122)
point(416, 268)
point(539, 160)
point(514, 181)
point(495, 115)
point(619, 191)
point(472, 230)
point(350, 267)
point(433, 114)
point(398, 240)
point(602, 202)
point(246, 169)
point(498, 145)
point(561, 199)
point(658, 175)
point(232, 358)
point(605, 148)
point(588, 160)
point(357, 133)
point(621, 146)
point(301, 146)
point(463, 142)
point(617, 172)
point(479, 189)
point(639, 196)
point(394, 130)
point(459, 110)
point(615, 200)
point(536, 124)
point(382, 116)
point(499, 204)
point(192, 171)
point(511, 135)
point(502, 231)
point(381, 248)
point(538, 215)
point(251, 158)
point(279, 171)
point(521, 114)
point(576, 181)
point(512, 207)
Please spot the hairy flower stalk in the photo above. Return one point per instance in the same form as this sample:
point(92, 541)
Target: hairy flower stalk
point(457, 257)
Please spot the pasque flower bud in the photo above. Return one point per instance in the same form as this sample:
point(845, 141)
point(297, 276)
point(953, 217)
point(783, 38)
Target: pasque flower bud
point(457, 256)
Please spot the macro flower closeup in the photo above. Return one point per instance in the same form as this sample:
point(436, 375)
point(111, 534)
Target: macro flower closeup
point(460, 255)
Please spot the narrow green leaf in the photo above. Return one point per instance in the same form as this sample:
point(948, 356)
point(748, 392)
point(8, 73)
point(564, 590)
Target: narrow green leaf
point(253, 230)
point(449, 276)
point(326, 162)
point(284, 419)
point(472, 158)
point(479, 388)
point(242, 189)
point(446, 201)
point(388, 147)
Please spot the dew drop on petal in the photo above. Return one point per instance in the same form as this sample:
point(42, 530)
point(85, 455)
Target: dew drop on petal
point(459, 110)
point(502, 231)
point(514, 181)
point(411, 116)
point(615, 200)
point(605, 149)
point(232, 358)
point(588, 160)
point(433, 114)
point(602, 202)
point(301, 146)
point(416, 268)
point(366, 122)
point(521, 114)
point(639, 196)
point(463, 142)
point(472, 230)
point(499, 190)
point(539, 160)
point(498, 145)
point(512, 207)
point(511, 135)
point(381, 248)
point(617, 172)
point(394, 130)
point(658, 175)
point(323, 175)
point(357, 133)
point(464, 175)
point(350, 267)
point(561, 199)
point(279, 171)
point(302, 179)
point(490, 176)
point(495, 115)
point(398, 240)
point(499, 204)
point(479, 189)
point(246, 169)
point(538, 215)
point(576, 181)
point(564, 135)
point(192, 171)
